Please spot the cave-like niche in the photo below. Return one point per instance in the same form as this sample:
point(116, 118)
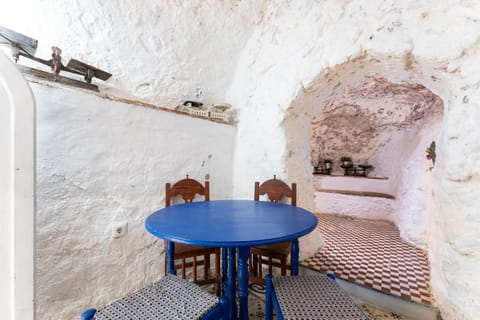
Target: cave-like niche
point(377, 122)
point(389, 126)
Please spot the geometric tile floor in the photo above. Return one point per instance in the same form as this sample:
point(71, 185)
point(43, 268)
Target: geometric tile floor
point(372, 254)
point(256, 307)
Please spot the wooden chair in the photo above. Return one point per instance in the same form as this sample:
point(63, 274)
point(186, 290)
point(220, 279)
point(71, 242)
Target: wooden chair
point(170, 298)
point(313, 297)
point(193, 256)
point(274, 255)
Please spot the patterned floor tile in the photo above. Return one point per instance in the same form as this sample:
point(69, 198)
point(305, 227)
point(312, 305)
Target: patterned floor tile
point(372, 254)
point(256, 307)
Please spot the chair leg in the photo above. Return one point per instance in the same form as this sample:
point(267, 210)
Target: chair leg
point(283, 263)
point(259, 267)
point(206, 265)
point(268, 298)
point(88, 314)
point(166, 264)
point(254, 264)
point(183, 268)
point(195, 276)
point(218, 279)
point(270, 267)
point(224, 270)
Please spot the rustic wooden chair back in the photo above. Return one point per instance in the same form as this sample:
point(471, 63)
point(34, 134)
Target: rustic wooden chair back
point(187, 189)
point(276, 190)
point(193, 256)
point(275, 255)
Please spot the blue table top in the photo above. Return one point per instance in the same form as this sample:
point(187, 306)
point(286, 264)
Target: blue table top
point(230, 223)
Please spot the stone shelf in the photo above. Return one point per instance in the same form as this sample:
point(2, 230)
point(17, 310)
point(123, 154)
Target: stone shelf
point(342, 176)
point(355, 185)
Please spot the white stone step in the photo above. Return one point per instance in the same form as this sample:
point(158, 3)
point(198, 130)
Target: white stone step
point(361, 197)
point(355, 205)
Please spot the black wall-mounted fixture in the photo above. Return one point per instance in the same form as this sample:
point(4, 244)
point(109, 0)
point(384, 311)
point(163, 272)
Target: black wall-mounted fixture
point(25, 46)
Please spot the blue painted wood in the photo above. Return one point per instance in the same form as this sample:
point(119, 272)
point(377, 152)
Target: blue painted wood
point(88, 314)
point(230, 223)
point(271, 301)
point(243, 254)
point(224, 270)
point(216, 313)
point(170, 259)
point(232, 277)
point(233, 224)
point(268, 297)
point(294, 253)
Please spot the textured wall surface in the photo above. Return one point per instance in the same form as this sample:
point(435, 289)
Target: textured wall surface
point(302, 56)
point(389, 126)
point(371, 117)
point(163, 52)
point(102, 165)
point(278, 63)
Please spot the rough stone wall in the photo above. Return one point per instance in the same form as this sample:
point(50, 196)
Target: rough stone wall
point(102, 165)
point(364, 119)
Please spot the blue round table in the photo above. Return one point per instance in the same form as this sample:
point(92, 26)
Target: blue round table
point(235, 226)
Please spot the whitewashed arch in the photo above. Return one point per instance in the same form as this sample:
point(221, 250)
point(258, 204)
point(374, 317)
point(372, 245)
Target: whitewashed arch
point(17, 193)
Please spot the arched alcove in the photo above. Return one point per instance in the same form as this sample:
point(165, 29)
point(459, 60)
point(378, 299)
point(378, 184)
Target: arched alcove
point(374, 123)
point(383, 110)
point(414, 182)
point(388, 126)
point(439, 185)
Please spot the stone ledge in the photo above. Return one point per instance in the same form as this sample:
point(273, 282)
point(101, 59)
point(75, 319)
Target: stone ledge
point(358, 193)
point(47, 78)
point(344, 176)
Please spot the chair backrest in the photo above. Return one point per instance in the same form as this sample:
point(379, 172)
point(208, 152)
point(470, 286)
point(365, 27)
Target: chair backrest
point(187, 189)
point(275, 190)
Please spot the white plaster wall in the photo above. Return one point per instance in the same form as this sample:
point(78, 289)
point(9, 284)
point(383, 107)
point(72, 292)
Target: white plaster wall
point(17, 194)
point(432, 43)
point(164, 52)
point(103, 164)
point(275, 62)
point(7, 220)
point(414, 191)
